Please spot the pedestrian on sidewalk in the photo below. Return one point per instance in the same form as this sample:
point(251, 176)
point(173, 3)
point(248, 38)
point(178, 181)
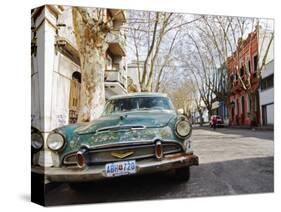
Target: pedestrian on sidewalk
point(214, 121)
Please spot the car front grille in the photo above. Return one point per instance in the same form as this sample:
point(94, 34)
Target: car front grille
point(114, 154)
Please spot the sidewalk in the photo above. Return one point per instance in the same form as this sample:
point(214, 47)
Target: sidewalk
point(246, 127)
point(258, 128)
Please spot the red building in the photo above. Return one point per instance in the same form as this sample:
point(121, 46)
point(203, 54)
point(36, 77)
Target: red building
point(242, 66)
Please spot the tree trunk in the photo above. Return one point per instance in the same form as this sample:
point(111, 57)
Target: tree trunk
point(144, 74)
point(91, 45)
point(201, 118)
point(209, 108)
point(92, 86)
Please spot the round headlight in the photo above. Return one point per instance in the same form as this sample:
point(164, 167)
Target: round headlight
point(183, 128)
point(55, 141)
point(37, 140)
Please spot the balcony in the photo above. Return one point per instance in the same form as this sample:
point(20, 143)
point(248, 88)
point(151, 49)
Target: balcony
point(116, 41)
point(115, 81)
point(118, 15)
point(67, 48)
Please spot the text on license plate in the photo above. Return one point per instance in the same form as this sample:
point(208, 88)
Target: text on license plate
point(120, 168)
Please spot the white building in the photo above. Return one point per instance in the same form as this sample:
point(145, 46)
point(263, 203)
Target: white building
point(196, 115)
point(267, 94)
point(133, 74)
point(266, 90)
point(55, 62)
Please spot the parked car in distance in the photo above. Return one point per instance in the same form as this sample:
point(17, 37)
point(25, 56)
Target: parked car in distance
point(137, 134)
point(220, 122)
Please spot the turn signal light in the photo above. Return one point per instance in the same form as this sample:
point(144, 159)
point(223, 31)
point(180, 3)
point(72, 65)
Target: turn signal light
point(81, 161)
point(158, 150)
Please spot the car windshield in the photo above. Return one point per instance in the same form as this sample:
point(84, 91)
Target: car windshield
point(137, 103)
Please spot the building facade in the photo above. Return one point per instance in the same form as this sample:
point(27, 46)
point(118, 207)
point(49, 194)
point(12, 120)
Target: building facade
point(196, 119)
point(55, 62)
point(242, 66)
point(266, 90)
point(133, 67)
point(219, 107)
point(267, 95)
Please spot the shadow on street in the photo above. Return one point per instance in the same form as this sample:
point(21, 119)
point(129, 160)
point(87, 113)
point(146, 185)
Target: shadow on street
point(243, 176)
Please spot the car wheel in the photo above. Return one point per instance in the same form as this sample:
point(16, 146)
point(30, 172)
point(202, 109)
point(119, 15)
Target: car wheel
point(183, 174)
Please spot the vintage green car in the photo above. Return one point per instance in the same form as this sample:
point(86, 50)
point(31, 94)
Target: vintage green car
point(136, 134)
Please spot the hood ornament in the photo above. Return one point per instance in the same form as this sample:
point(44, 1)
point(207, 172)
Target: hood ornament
point(121, 155)
point(122, 117)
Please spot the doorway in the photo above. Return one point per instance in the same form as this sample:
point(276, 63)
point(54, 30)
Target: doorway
point(243, 110)
point(74, 97)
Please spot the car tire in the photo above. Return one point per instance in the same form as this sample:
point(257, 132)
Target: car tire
point(183, 174)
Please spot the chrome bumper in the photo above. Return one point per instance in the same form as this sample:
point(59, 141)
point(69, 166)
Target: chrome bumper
point(97, 172)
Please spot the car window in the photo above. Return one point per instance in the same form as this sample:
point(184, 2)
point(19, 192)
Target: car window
point(137, 103)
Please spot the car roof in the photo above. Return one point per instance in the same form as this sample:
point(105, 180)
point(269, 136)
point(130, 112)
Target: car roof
point(139, 94)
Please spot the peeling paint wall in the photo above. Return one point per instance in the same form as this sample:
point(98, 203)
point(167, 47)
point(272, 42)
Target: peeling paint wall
point(51, 75)
point(37, 71)
point(67, 31)
point(61, 90)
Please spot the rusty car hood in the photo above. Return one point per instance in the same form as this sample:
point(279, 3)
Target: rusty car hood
point(147, 119)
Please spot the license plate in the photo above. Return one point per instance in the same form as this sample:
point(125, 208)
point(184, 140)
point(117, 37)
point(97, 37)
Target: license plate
point(120, 168)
